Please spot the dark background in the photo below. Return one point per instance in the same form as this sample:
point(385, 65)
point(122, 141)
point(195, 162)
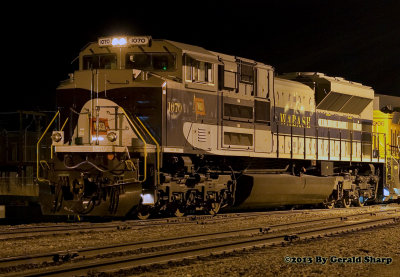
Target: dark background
point(357, 40)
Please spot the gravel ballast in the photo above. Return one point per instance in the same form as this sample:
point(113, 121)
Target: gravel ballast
point(303, 258)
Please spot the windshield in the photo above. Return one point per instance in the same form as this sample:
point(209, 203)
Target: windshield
point(151, 61)
point(105, 61)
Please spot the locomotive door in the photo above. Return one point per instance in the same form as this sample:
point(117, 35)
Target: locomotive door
point(236, 131)
point(262, 110)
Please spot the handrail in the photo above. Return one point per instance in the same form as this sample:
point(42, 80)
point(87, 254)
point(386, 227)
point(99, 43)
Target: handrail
point(158, 149)
point(145, 144)
point(52, 147)
point(37, 148)
point(65, 122)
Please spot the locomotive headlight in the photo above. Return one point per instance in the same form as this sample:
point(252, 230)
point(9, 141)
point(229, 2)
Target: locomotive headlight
point(119, 41)
point(124, 41)
point(111, 136)
point(56, 136)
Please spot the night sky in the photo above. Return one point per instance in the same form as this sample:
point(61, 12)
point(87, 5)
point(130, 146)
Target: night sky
point(357, 40)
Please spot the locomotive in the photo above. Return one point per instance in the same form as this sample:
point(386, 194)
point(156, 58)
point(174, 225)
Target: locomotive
point(156, 126)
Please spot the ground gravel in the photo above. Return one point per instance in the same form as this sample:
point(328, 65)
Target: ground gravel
point(270, 261)
point(377, 243)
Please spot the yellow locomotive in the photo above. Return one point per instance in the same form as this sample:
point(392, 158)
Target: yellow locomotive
point(387, 120)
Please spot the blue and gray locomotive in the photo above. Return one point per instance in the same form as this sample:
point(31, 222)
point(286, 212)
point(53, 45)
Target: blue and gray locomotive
point(149, 126)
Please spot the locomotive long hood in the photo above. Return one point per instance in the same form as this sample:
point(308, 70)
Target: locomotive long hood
point(336, 94)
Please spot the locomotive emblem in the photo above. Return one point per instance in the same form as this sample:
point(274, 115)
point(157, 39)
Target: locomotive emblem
point(199, 106)
point(295, 120)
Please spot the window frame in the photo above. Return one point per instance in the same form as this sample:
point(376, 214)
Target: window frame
point(84, 67)
point(251, 80)
point(152, 54)
point(193, 68)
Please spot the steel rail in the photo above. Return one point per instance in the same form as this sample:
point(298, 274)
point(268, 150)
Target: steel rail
point(95, 251)
point(36, 231)
point(31, 231)
point(193, 252)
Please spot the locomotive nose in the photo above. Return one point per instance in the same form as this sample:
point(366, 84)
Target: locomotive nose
point(100, 169)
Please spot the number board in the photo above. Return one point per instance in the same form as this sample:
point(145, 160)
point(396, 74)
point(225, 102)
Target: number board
point(138, 41)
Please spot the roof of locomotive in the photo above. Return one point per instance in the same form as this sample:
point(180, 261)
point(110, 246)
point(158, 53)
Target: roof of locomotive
point(196, 52)
point(292, 84)
point(334, 84)
point(389, 101)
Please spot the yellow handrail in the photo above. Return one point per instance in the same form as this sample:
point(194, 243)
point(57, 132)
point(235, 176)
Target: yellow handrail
point(52, 147)
point(65, 122)
point(144, 142)
point(158, 150)
point(37, 148)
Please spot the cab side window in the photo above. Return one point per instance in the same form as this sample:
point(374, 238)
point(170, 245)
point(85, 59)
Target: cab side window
point(199, 71)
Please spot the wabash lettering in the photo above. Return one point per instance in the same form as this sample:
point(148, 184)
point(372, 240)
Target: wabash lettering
point(295, 120)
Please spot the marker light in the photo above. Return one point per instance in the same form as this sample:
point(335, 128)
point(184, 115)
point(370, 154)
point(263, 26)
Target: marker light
point(112, 136)
point(119, 41)
point(56, 137)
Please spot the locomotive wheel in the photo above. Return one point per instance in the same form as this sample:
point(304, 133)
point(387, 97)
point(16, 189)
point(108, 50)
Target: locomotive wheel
point(329, 205)
point(213, 207)
point(86, 206)
point(359, 201)
point(58, 198)
point(179, 212)
point(143, 212)
point(346, 202)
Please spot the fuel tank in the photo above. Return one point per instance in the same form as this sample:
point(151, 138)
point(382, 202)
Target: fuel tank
point(255, 191)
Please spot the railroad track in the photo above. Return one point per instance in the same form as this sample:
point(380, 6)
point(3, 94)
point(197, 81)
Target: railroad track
point(131, 255)
point(42, 230)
